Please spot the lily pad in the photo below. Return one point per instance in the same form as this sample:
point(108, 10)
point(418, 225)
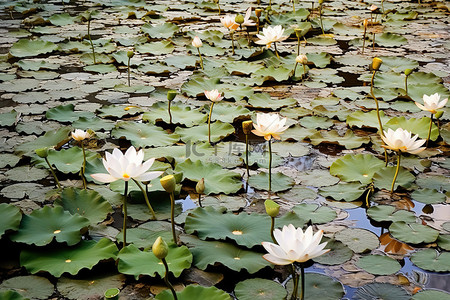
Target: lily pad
point(43, 225)
point(416, 126)
point(156, 48)
point(11, 295)
point(383, 178)
point(66, 113)
point(10, 217)
point(428, 196)
point(349, 140)
point(413, 233)
point(338, 254)
point(379, 264)
point(359, 167)
point(70, 259)
point(264, 100)
point(195, 292)
point(258, 288)
point(344, 191)
point(146, 234)
point(431, 295)
point(33, 287)
point(357, 239)
point(384, 291)
point(25, 48)
point(319, 286)
point(280, 182)
point(314, 213)
point(49, 139)
point(432, 260)
point(144, 135)
point(66, 160)
point(163, 31)
point(8, 119)
point(89, 287)
point(388, 213)
point(219, 130)
point(181, 114)
point(366, 119)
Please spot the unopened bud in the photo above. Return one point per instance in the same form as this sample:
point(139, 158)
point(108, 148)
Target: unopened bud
point(298, 32)
point(302, 59)
point(408, 72)
point(239, 19)
point(272, 208)
point(42, 152)
point(200, 187)
point(439, 114)
point(168, 183)
point(130, 54)
point(320, 2)
point(376, 63)
point(197, 42)
point(160, 248)
point(247, 126)
point(365, 23)
point(258, 12)
point(171, 94)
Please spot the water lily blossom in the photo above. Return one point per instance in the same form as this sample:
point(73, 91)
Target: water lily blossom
point(214, 96)
point(271, 34)
point(80, 135)
point(229, 23)
point(400, 140)
point(197, 42)
point(432, 103)
point(247, 20)
point(269, 125)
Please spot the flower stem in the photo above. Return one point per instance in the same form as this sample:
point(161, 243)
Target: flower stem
point(146, 198)
point(276, 51)
point(166, 279)
point(320, 18)
point(364, 39)
point(298, 45)
point(200, 200)
point(232, 41)
point(53, 173)
point(172, 215)
point(295, 68)
point(218, 6)
point(170, 113)
point(396, 171)
point(406, 85)
point(129, 73)
point(270, 164)
point(302, 293)
point(304, 71)
point(429, 130)
point(378, 113)
point(83, 167)
point(125, 215)
point(209, 122)
point(272, 227)
point(246, 156)
point(201, 58)
point(90, 40)
point(295, 281)
point(293, 6)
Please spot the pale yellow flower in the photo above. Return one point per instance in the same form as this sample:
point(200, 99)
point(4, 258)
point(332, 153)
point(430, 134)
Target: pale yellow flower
point(80, 135)
point(301, 59)
point(229, 23)
point(431, 103)
point(271, 35)
point(269, 125)
point(401, 140)
point(197, 42)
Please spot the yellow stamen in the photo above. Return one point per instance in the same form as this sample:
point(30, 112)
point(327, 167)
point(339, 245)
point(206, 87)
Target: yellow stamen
point(125, 175)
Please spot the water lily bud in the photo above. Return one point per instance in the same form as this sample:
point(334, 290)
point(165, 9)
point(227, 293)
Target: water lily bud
point(439, 114)
point(365, 23)
point(247, 126)
point(298, 32)
point(200, 187)
point(130, 54)
point(373, 8)
point(376, 63)
point(320, 2)
point(258, 12)
point(42, 152)
point(302, 59)
point(160, 248)
point(168, 183)
point(239, 19)
point(171, 94)
point(408, 72)
point(272, 208)
point(197, 42)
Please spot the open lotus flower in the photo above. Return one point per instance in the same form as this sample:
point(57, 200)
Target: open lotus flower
point(229, 23)
point(271, 35)
point(126, 166)
point(213, 95)
point(80, 135)
point(431, 103)
point(247, 20)
point(269, 125)
point(294, 245)
point(401, 140)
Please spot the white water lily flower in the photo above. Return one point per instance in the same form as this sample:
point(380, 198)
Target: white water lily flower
point(213, 95)
point(126, 166)
point(197, 42)
point(271, 35)
point(80, 135)
point(294, 245)
point(401, 140)
point(229, 23)
point(247, 20)
point(269, 125)
point(431, 103)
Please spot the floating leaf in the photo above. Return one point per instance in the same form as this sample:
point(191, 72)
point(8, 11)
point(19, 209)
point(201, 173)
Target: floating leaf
point(431, 295)
point(366, 119)
point(344, 191)
point(219, 130)
point(91, 287)
point(384, 291)
point(280, 182)
point(359, 167)
point(45, 224)
point(118, 111)
point(66, 113)
point(25, 48)
point(66, 160)
point(378, 264)
point(49, 139)
point(314, 213)
point(146, 234)
point(383, 178)
point(133, 261)
point(101, 68)
point(318, 178)
point(26, 173)
point(428, 196)
point(228, 113)
point(33, 287)
point(8, 119)
point(432, 260)
point(69, 259)
point(163, 31)
point(195, 292)
point(319, 286)
point(264, 100)
point(10, 217)
point(11, 295)
point(416, 126)
point(156, 48)
point(181, 114)
point(357, 239)
point(144, 135)
point(258, 288)
point(388, 213)
point(95, 124)
point(338, 254)
point(349, 140)
point(413, 233)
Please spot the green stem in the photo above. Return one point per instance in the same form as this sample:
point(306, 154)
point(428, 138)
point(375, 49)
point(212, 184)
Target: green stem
point(201, 58)
point(396, 171)
point(200, 200)
point(295, 68)
point(304, 70)
point(373, 42)
point(246, 156)
point(302, 294)
point(232, 41)
point(90, 40)
point(270, 164)
point(406, 85)
point(272, 227)
point(125, 215)
point(53, 173)
point(129, 81)
point(378, 113)
point(209, 122)
point(218, 6)
point(166, 279)
point(320, 18)
point(257, 25)
point(145, 197)
point(276, 51)
point(293, 6)
point(170, 113)
point(298, 46)
point(83, 167)
point(429, 130)
point(172, 215)
point(364, 39)
point(295, 281)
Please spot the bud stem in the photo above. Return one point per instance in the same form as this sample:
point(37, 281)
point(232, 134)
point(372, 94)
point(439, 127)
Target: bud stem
point(246, 157)
point(429, 130)
point(201, 59)
point(83, 166)
point(396, 171)
point(146, 198)
point(53, 172)
point(172, 214)
point(90, 40)
point(209, 122)
point(166, 279)
point(378, 113)
point(272, 227)
point(270, 164)
point(170, 113)
point(125, 215)
point(128, 69)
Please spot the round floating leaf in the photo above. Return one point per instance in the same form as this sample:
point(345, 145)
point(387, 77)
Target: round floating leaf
point(11, 295)
point(388, 213)
point(315, 213)
point(163, 31)
point(319, 286)
point(379, 264)
point(357, 239)
point(61, 19)
point(318, 178)
point(49, 139)
point(146, 234)
point(258, 288)
point(95, 124)
point(226, 112)
point(280, 182)
point(233, 257)
point(33, 287)
point(444, 241)
point(101, 68)
point(264, 100)
point(246, 229)
point(133, 261)
point(69, 259)
point(26, 173)
point(344, 191)
point(349, 140)
point(87, 203)
point(338, 254)
point(359, 167)
point(428, 196)
point(366, 119)
point(43, 225)
point(66, 113)
point(160, 202)
point(66, 160)
point(416, 126)
point(432, 260)
point(413, 233)
point(217, 180)
point(144, 135)
point(181, 114)
point(385, 291)
point(431, 295)
point(219, 130)
point(91, 287)
point(438, 182)
point(8, 119)
point(383, 178)
point(24, 48)
point(156, 48)
point(10, 217)
point(117, 111)
point(195, 292)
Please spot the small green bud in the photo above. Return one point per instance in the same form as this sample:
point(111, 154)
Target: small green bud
point(239, 19)
point(168, 183)
point(200, 187)
point(298, 32)
point(42, 152)
point(272, 208)
point(160, 248)
point(321, 2)
point(130, 54)
point(438, 114)
point(171, 94)
point(408, 72)
point(376, 63)
point(247, 126)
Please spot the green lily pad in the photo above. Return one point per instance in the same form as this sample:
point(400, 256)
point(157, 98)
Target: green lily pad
point(359, 167)
point(319, 286)
point(95, 124)
point(25, 48)
point(219, 130)
point(397, 64)
point(233, 257)
point(318, 178)
point(101, 68)
point(69, 259)
point(65, 113)
point(344, 191)
point(196, 86)
point(66, 160)
point(314, 213)
point(181, 61)
point(316, 122)
point(61, 19)
point(444, 241)
point(413, 233)
point(133, 261)
point(144, 135)
point(264, 100)
point(118, 111)
point(258, 288)
point(338, 254)
point(11, 295)
point(43, 225)
point(280, 182)
point(195, 292)
point(146, 234)
point(246, 229)
point(227, 112)
point(87, 203)
point(385, 291)
point(26, 173)
point(416, 126)
point(163, 31)
point(379, 264)
point(431, 295)
point(156, 48)
point(437, 182)
point(181, 114)
point(139, 89)
point(357, 239)
point(90, 287)
point(10, 217)
point(432, 260)
point(49, 139)
point(388, 213)
point(34, 287)
point(7, 159)
point(366, 119)
point(428, 196)
point(349, 140)
point(217, 180)
point(8, 119)
point(383, 178)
